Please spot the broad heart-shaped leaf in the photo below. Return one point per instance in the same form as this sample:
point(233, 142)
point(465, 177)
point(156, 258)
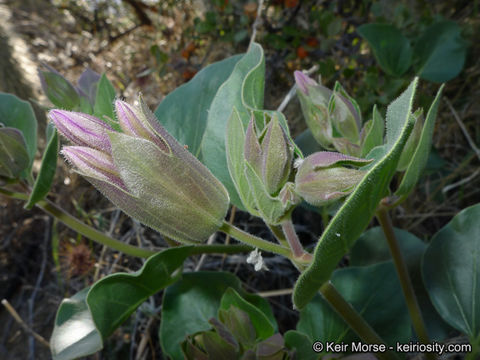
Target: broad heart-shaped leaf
point(440, 52)
point(13, 153)
point(451, 272)
point(420, 156)
point(263, 328)
point(244, 87)
point(191, 302)
point(104, 101)
point(184, 112)
point(375, 292)
point(391, 49)
point(74, 334)
point(357, 211)
point(371, 248)
point(19, 114)
point(44, 180)
point(115, 297)
point(301, 343)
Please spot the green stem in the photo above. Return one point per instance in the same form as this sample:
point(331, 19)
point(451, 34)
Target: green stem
point(353, 319)
point(407, 287)
point(278, 233)
point(78, 226)
point(254, 241)
point(221, 249)
point(292, 238)
point(475, 343)
point(95, 235)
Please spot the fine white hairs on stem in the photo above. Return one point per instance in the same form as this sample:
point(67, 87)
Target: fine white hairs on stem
point(255, 258)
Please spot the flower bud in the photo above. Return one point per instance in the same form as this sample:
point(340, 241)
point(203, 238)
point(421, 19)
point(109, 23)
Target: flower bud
point(333, 117)
point(82, 129)
point(133, 122)
point(321, 177)
point(345, 114)
point(146, 172)
point(268, 163)
point(276, 157)
point(93, 163)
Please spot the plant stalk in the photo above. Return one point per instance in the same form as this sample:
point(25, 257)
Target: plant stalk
point(254, 241)
point(97, 236)
point(353, 319)
point(294, 242)
point(405, 281)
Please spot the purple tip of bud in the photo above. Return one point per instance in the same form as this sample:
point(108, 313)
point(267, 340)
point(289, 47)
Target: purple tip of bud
point(93, 163)
point(325, 159)
point(135, 122)
point(82, 129)
point(303, 81)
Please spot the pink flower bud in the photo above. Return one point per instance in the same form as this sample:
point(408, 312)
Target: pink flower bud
point(82, 129)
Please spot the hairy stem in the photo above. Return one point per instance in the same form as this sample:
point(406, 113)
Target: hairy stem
point(293, 241)
point(97, 236)
point(254, 241)
point(405, 281)
point(353, 319)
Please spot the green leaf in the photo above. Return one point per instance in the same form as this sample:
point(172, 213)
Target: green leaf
point(359, 208)
point(59, 90)
point(184, 112)
point(420, 156)
point(235, 141)
point(13, 153)
point(371, 248)
point(391, 49)
point(19, 114)
point(301, 343)
point(374, 130)
point(451, 272)
point(74, 334)
point(244, 87)
point(374, 292)
point(104, 101)
point(44, 180)
point(412, 142)
point(189, 304)
point(271, 209)
point(263, 328)
point(115, 297)
point(440, 52)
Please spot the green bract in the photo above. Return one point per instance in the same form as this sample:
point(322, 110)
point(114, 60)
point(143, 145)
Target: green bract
point(267, 165)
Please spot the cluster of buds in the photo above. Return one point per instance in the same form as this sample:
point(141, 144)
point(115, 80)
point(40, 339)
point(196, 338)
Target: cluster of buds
point(333, 117)
point(234, 337)
point(268, 156)
point(145, 171)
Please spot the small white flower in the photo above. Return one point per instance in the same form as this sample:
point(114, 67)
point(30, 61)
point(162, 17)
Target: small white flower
point(255, 258)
